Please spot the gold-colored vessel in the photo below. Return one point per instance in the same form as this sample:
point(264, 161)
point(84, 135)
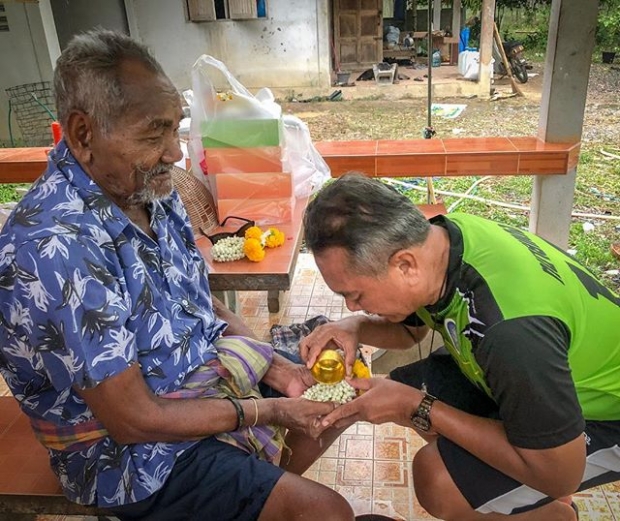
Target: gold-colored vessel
point(329, 367)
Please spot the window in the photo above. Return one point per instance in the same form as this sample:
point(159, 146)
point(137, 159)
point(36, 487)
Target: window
point(4, 22)
point(209, 10)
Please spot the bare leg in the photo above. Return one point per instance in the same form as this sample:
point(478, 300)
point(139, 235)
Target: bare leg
point(301, 499)
point(439, 495)
point(305, 450)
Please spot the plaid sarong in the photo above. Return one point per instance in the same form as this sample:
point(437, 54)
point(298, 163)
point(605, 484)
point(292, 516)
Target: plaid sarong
point(241, 364)
point(71, 438)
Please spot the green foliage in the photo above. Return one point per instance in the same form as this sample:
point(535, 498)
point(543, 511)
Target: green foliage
point(9, 193)
point(530, 27)
point(475, 5)
point(608, 27)
point(528, 21)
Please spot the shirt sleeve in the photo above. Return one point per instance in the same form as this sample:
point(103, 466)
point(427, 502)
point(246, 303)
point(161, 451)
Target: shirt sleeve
point(75, 311)
point(525, 361)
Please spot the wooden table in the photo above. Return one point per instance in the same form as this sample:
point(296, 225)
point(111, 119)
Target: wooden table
point(22, 165)
point(273, 274)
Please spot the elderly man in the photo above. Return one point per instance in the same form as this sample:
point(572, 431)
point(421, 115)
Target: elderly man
point(131, 376)
point(521, 407)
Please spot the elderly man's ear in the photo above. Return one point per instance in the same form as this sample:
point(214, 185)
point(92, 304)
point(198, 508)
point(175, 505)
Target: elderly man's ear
point(79, 134)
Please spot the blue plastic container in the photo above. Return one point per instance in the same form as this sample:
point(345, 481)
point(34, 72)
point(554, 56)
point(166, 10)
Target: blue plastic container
point(464, 39)
point(436, 60)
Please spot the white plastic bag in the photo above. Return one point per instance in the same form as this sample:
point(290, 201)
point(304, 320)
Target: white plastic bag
point(307, 166)
point(469, 64)
point(218, 96)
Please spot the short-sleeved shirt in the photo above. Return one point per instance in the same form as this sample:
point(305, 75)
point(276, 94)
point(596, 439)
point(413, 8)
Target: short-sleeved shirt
point(530, 326)
point(84, 294)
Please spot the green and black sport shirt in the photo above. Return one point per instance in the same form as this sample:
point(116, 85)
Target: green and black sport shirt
point(531, 327)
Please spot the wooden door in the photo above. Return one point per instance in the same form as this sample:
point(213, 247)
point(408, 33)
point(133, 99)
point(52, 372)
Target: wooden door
point(358, 33)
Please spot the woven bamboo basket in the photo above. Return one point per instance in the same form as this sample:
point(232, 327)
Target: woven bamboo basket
point(197, 200)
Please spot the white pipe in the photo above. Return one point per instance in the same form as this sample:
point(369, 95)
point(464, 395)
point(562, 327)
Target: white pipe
point(467, 192)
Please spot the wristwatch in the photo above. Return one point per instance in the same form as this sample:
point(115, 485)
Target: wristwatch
point(421, 418)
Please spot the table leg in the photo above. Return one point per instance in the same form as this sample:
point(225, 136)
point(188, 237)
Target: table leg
point(273, 300)
point(228, 298)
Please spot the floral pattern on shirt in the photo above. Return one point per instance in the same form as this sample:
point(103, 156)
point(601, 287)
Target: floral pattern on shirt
point(83, 295)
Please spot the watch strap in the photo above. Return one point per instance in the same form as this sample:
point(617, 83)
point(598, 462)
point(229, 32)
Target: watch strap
point(421, 418)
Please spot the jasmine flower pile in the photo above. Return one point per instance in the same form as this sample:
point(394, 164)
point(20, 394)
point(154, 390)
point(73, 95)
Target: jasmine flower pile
point(341, 392)
point(228, 249)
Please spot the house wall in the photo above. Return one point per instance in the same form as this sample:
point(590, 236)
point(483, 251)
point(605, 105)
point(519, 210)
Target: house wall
point(24, 57)
point(75, 16)
point(288, 49)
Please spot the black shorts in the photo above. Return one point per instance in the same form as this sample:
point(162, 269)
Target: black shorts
point(485, 488)
point(211, 480)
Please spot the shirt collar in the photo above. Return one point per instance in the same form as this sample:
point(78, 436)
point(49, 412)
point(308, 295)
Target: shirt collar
point(455, 259)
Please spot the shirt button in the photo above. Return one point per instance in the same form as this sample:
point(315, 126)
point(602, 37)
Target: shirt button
point(185, 302)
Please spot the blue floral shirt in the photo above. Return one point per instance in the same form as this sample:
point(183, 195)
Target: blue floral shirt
point(84, 294)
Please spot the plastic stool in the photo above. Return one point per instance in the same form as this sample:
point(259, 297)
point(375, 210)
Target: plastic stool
point(384, 75)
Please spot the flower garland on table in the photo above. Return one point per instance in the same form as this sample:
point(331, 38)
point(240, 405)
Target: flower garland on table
point(251, 246)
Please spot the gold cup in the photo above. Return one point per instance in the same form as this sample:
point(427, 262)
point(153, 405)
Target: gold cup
point(329, 367)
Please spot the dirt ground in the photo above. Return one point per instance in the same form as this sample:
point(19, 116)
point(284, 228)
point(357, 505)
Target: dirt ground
point(406, 117)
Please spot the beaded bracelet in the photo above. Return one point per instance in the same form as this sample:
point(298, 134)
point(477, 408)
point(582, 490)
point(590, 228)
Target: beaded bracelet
point(239, 410)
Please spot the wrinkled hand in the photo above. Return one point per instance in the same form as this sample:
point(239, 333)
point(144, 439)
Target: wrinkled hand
point(301, 415)
point(343, 334)
point(382, 401)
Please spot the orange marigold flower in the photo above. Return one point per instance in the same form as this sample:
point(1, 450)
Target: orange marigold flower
point(274, 238)
point(253, 250)
point(360, 369)
point(254, 232)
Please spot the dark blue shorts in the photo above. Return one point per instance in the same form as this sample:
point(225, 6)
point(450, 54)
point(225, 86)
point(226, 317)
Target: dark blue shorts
point(212, 480)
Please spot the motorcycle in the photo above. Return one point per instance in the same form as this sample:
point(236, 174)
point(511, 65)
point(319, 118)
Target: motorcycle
point(516, 60)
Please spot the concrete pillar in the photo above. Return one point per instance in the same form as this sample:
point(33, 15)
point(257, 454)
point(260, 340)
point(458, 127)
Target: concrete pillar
point(486, 47)
point(436, 15)
point(132, 21)
point(456, 18)
point(572, 27)
point(49, 30)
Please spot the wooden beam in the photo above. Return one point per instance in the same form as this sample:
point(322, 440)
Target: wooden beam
point(449, 157)
point(498, 41)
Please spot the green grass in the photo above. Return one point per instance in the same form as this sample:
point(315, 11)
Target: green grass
point(9, 193)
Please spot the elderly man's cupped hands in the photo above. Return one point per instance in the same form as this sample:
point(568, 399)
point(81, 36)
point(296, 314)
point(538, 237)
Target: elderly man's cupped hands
point(302, 415)
point(301, 380)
